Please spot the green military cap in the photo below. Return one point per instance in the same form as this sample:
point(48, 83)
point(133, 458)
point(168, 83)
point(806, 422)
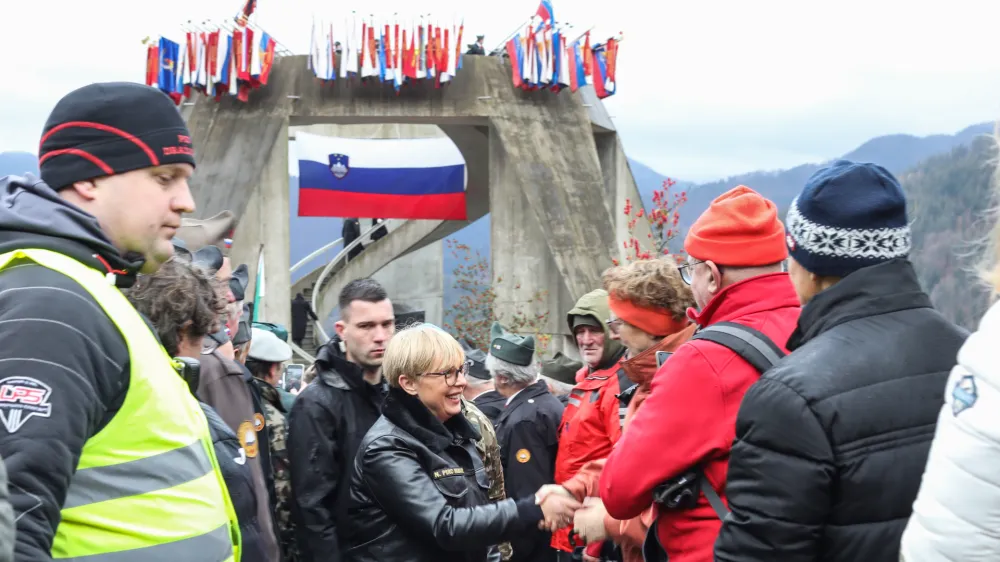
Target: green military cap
point(276, 329)
point(512, 348)
point(561, 368)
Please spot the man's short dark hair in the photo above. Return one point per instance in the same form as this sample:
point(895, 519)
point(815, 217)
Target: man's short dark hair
point(367, 289)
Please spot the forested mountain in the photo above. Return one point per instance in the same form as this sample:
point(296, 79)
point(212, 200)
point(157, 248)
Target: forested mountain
point(950, 197)
point(896, 152)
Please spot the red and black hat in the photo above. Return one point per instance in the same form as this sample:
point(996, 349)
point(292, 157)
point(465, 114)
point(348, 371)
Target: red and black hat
point(111, 128)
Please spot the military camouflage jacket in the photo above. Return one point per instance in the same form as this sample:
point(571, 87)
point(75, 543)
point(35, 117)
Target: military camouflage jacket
point(489, 450)
point(277, 433)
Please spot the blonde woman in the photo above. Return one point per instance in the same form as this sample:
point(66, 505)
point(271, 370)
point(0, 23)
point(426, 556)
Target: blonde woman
point(957, 511)
point(419, 491)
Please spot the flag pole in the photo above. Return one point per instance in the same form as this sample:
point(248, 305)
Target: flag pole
point(258, 289)
point(503, 44)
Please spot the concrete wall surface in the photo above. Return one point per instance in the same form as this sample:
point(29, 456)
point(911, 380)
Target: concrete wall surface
point(555, 191)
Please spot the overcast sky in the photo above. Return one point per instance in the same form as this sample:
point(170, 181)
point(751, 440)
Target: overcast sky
point(707, 88)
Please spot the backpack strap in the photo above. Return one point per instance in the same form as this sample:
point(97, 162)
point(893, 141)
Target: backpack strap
point(713, 498)
point(752, 345)
point(755, 348)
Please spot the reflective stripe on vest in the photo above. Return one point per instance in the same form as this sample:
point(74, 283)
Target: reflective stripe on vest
point(147, 485)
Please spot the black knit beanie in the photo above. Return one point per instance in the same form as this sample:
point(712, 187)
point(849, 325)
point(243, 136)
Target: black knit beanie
point(111, 128)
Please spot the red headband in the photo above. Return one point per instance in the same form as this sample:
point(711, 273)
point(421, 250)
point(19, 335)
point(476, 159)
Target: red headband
point(654, 321)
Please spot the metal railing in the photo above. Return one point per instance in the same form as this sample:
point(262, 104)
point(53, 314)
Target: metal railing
point(317, 288)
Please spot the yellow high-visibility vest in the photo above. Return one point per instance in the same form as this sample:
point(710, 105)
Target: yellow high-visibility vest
point(148, 486)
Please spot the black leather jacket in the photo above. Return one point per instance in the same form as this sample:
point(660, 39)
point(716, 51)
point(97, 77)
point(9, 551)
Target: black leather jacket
point(419, 492)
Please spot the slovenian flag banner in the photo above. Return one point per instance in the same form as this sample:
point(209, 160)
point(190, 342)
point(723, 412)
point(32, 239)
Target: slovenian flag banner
point(385, 178)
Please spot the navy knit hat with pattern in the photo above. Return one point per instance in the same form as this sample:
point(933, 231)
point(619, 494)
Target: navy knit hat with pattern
point(848, 216)
point(111, 128)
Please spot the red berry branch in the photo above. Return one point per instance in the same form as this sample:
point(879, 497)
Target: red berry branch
point(663, 220)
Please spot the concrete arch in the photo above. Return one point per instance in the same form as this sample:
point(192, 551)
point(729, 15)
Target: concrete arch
point(557, 177)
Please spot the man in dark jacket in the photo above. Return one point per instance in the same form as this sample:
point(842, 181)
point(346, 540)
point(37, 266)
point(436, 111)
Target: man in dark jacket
point(115, 160)
point(831, 443)
point(302, 312)
point(351, 231)
point(480, 390)
point(331, 416)
point(528, 430)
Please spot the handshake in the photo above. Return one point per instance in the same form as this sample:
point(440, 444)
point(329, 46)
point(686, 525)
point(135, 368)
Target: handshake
point(561, 509)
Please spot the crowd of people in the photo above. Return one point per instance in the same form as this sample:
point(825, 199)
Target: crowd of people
point(788, 392)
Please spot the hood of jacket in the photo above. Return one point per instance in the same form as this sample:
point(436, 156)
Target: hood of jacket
point(33, 215)
point(870, 291)
point(595, 305)
point(641, 368)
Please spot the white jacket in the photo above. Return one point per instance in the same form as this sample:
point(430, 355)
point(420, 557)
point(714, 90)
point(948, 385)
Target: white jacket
point(956, 517)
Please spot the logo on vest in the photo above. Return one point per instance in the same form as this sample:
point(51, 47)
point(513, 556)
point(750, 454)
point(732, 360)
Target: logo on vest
point(20, 399)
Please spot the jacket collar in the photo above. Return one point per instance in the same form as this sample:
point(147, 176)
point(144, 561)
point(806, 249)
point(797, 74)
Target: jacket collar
point(870, 291)
point(750, 296)
point(641, 368)
point(530, 392)
point(337, 371)
point(409, 414)
point(609, 362)
point(269, 393)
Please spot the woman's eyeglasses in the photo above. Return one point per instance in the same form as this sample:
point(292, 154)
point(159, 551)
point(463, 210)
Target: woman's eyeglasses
point(451, 375)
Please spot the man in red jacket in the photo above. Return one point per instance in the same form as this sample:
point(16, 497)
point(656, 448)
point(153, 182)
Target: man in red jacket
point(591, 422)
point(736, 271)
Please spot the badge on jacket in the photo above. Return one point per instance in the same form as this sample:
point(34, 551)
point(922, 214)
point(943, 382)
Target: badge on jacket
point(964, 395)
point(248, 438)
point(523, 456)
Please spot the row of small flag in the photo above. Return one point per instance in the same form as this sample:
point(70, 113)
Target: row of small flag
point(542, 59)
point(215, 63)
point(395, 53)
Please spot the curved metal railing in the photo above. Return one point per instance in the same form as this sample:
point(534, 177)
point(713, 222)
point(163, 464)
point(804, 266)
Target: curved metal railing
point(317, 288)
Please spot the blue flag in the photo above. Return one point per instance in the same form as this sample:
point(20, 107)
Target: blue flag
point(169, 70)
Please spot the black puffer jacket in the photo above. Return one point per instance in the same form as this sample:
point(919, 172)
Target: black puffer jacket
point(239, 481)
point(328, 420)
point(832, 442)
point(419, 492)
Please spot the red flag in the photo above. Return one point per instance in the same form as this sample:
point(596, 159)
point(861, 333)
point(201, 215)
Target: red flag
point(267, 61)
point(611, 52)
point(371, 47)
point(364, 44)
point(397, 46)
point(387, 47)
point(431, 52)
point(152, 64)
point(515, 62)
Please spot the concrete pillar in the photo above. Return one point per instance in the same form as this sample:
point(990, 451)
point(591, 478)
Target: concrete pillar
point(416, 282)
point(619, 189)
point(521, 260)
point(265, 220)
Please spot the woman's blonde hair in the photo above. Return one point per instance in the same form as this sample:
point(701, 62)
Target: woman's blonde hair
point(654, 283)
point(418, 349)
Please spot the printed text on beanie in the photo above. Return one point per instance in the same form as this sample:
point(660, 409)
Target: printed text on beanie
point(111, 128)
